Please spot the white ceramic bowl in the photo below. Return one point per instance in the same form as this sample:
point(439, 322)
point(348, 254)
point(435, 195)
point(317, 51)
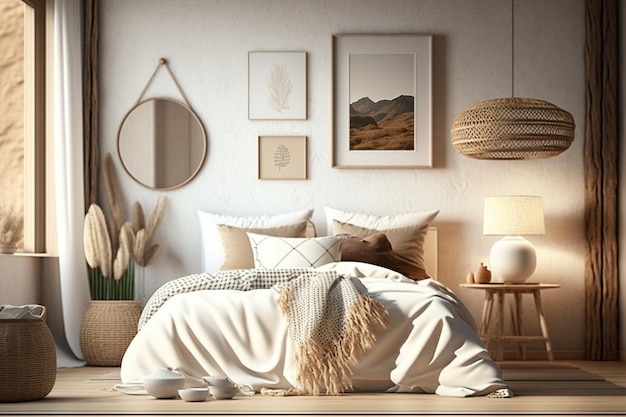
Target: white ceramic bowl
point(194, 394)
point(223, 392)
point(163, 388)
point(163, 383)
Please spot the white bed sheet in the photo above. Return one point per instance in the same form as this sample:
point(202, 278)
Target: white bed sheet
point(431, 345)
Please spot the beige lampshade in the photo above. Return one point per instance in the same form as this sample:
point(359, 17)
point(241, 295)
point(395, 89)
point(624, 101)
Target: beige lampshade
point(512, 128)
point(513, 215)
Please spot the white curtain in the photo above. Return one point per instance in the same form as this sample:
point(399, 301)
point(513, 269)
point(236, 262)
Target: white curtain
point(68, 145)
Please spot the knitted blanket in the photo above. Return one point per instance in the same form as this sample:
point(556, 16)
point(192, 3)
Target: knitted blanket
point(331, 318)
point(234, 279)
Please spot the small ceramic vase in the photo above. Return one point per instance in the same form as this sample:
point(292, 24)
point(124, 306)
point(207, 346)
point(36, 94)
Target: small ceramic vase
point(482, 275)
point(470, 278)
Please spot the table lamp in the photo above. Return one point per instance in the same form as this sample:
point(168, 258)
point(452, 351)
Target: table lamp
point(513, 258)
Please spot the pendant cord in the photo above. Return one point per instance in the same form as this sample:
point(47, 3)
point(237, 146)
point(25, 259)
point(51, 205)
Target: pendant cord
point(513, 48)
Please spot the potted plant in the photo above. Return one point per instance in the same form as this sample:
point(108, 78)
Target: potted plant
point(111, 251)
point(11, 230)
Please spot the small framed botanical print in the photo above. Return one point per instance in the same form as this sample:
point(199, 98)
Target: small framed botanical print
point(277, 86)
point(282, 158)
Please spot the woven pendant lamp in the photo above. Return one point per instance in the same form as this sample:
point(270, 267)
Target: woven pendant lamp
point(512, 128)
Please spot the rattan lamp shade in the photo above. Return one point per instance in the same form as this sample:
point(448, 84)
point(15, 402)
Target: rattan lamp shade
point(512, 128)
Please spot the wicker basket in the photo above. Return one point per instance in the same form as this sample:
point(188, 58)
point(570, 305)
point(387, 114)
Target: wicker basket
point(28, 361)
point(107, 329)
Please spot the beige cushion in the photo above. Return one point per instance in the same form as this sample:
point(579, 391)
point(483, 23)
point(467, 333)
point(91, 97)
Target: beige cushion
point(212, 249)
point(407, 244)
point(237, 249)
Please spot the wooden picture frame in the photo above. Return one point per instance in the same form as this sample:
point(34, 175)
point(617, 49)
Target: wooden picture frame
point(382, 101)
point(282, 158)
point(277, 85)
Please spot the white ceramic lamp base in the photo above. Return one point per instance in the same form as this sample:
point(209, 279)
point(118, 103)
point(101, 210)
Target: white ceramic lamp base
point(513, 259)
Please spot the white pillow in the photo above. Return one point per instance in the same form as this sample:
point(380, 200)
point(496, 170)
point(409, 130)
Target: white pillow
point(293, 252)
point(212, 249)
point(370, 221)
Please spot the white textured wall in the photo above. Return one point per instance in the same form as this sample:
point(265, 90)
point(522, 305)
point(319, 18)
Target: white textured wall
point(20, 280)
point(206, 43)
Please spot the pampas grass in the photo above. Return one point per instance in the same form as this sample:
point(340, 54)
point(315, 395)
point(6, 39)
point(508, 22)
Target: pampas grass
point(111, 278)
point(114, 198)
point(112, 249)
point(97, 241)
point(145, 252)
point(124, 252)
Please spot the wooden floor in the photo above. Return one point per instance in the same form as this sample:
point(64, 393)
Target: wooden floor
point(540, 387)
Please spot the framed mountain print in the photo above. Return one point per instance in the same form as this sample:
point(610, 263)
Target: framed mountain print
point(382, 99)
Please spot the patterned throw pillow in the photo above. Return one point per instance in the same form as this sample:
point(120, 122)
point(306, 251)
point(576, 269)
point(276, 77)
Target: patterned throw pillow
point(280, 252)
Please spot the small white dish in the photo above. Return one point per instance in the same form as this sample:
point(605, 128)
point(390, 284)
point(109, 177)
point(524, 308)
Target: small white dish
point(131, 389)
point(194, 394)
point(222, 388)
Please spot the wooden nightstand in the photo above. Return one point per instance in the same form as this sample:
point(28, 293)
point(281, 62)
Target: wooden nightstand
point(499, 290)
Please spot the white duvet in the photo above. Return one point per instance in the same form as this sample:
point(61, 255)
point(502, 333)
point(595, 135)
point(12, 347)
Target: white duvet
point(431, 345)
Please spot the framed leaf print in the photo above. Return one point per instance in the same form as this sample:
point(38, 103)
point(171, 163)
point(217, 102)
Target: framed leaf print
point(382, 98)
point(282, 158)
point(277, 86)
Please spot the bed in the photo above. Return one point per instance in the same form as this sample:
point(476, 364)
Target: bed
point(358, 310)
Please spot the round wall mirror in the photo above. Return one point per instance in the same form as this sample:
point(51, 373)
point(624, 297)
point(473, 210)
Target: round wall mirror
point(161, 143)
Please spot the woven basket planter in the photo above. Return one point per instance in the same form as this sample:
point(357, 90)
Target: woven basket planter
point(28, 361)
point(107, 329)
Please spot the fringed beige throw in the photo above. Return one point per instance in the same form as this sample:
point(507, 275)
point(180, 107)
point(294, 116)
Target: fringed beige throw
point(333, 321)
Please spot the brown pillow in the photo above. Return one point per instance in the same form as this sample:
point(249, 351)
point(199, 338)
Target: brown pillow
point(237, 249)
point(407, 251)
point(375, 249)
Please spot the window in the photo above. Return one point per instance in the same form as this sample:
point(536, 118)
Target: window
point(12, 107)
point(22, 125)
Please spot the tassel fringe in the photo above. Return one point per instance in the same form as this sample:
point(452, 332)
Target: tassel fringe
point(326, 368)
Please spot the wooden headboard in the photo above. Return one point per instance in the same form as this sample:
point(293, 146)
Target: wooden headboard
point(430, 252)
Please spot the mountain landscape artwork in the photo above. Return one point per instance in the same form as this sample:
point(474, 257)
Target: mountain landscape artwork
point(382, 102)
